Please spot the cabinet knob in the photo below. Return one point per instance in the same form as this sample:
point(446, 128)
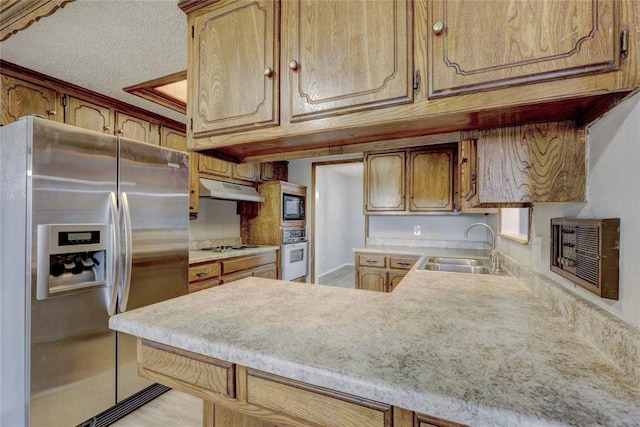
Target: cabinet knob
point(120, 131)
point(293, 64)
point(106, 128)
point(202, 273)
point(52, 112)
point(438, 27)
point(268, 72)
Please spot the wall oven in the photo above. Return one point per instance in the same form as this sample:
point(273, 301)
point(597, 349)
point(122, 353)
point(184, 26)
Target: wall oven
point(294, 253)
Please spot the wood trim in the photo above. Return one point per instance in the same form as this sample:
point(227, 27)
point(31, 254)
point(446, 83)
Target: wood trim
point(13, 70)
point(17, 15)
point(183, 359)
point(148, 90)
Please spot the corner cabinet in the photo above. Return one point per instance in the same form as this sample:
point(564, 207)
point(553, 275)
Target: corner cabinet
point(519, 165)
point(529, 41)
point(381, 272)
point(233, 71)
point(413, 181)
point(343, 56)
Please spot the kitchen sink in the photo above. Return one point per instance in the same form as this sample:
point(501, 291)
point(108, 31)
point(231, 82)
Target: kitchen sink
point(456, 265)
point(456, 261)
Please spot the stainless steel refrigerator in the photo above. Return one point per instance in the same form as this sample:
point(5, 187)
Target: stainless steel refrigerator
point(90, 225)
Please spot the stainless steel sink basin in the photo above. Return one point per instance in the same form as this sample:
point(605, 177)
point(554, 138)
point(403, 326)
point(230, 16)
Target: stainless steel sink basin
point(456, 261)
point(456, 265)
point(457, 268)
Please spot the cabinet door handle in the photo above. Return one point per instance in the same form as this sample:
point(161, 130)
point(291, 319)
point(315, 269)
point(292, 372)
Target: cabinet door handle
point(268, 72)
point(404, 263)
point(202, 273)
point(293, 64)
point(107, 128)
point(52, 112)
point(371, 261)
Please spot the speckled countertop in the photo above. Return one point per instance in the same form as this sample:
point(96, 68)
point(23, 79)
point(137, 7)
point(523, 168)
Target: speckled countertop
point(199, 256)
point(479, 350)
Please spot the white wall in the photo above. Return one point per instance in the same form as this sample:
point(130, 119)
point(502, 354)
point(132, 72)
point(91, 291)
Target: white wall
point(339, 217)
point(613, 192)
point(432, 227)
point(217, 219)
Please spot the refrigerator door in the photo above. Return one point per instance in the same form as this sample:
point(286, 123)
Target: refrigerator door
point(154, 204)
point(72, 352)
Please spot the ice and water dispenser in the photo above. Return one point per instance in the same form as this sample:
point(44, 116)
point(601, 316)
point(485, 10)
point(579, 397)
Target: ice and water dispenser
point(72, 258)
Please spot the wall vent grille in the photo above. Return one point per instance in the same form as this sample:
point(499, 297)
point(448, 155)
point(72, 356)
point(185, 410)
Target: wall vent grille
point(586, 251)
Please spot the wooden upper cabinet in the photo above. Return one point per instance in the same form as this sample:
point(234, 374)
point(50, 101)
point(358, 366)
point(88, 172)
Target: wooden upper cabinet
point(88, 115)
point(233, 68)
point(21, 98)
point(344, 56)
point(384, 185)
point(520, 41)
point(245, 171)
point(137, 128)
point(212, 166)
point(174, 139)
point(431, 180)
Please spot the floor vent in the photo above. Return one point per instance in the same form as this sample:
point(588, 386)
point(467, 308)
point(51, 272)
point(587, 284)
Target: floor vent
point(126, 407)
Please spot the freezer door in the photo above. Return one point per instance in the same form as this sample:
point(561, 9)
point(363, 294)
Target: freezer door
point(72, 350)
point(154, 204)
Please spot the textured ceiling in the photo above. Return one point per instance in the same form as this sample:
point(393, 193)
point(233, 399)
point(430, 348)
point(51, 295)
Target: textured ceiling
point(106, 45)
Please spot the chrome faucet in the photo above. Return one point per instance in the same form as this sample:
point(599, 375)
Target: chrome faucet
point(494, 257)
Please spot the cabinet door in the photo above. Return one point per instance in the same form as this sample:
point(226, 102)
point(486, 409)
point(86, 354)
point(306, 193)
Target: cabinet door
point(20, 98)
point(213, 166)
point(274, 171)
point(137, 128)
point(172, 138)
point(431, 180)
point(233, 68)
point(523, 40)
point(394, 279)
point(372, 280)
point(542, 162)
point(88, 115)
point(245, 171)
point(267, 272)
point(384, 182)
point(347, 55)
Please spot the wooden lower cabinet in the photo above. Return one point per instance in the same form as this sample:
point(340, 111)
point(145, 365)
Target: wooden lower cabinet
point(203, 276)
point(260, 265)
point(381, 272)
point(234, 395)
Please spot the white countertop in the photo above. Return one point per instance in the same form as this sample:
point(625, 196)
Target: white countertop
point(200, 256)
point(475, 349)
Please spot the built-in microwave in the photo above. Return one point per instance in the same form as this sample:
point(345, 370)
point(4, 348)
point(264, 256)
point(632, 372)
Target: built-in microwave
point(292, 207)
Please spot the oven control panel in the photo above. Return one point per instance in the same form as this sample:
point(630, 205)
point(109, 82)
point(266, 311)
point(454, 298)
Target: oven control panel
point(294, 235)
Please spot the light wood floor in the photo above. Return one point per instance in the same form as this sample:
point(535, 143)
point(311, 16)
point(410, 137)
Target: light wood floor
point(344, 277)
point(173, 408)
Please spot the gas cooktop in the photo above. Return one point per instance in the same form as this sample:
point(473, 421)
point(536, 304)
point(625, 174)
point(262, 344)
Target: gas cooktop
point(229, 248)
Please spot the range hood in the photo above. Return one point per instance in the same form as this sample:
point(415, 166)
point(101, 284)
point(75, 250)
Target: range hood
point(212, 189)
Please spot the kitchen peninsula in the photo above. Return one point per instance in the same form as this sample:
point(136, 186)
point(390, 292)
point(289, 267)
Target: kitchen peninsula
point(472, 349)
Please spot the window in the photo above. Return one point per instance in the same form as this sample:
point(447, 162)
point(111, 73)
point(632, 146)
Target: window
point(515, 224)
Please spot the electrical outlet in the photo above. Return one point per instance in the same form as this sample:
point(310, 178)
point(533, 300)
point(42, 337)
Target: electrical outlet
point(416, 230)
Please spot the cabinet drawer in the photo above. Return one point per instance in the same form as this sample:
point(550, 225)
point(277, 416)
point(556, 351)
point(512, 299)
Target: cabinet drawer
point(204, 271)
point(312, 404)
point(247, 262)
point(237, 276)
point(179, 368)
point(371, 260)
point(402, 263)
point(203, 284)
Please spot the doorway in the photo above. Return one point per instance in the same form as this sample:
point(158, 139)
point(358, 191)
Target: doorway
point(338, 221)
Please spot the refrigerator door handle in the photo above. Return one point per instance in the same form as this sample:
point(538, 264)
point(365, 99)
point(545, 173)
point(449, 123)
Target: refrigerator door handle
point(115, 254)
point(126, 280)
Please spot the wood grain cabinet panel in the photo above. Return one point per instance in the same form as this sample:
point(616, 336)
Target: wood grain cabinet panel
point(21, 98)
point(347, 55)
point(88, 115)
point(384, 185)
point(245, 171)
point(234, 67)
point(534, 163)
point(526, 41)
point(174, 139)
point(431, 180)
point(212, 166)
point(381, 272)
point(137, 128)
